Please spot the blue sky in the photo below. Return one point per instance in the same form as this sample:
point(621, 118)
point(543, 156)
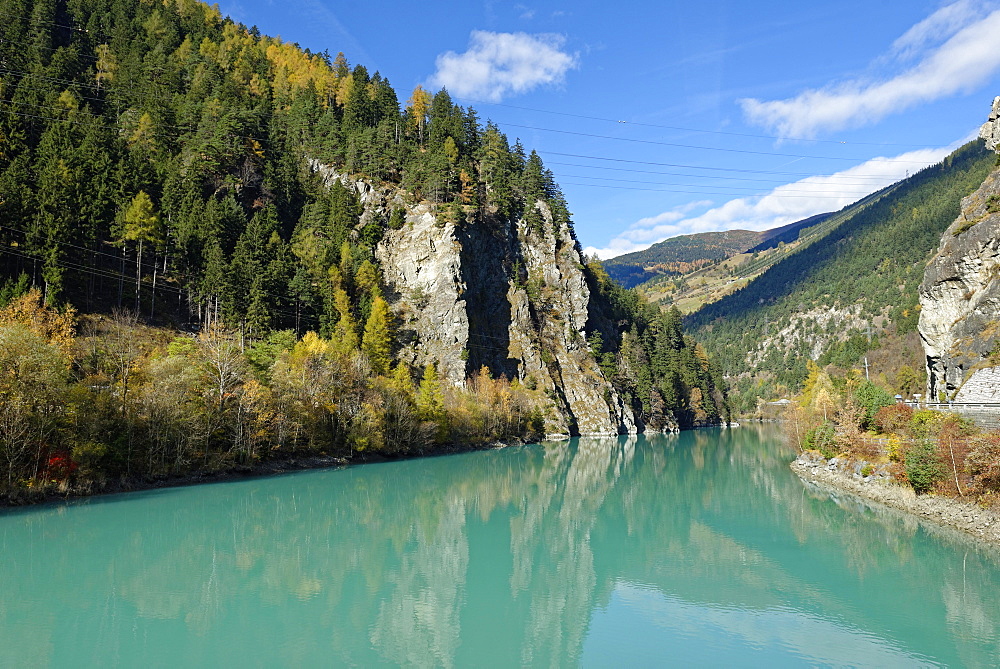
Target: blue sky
point(667, 118)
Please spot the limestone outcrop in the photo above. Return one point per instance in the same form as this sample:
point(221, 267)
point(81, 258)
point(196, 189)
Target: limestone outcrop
point(990, 131)
point(494, 293)
point(960, 294)
point(982, 387)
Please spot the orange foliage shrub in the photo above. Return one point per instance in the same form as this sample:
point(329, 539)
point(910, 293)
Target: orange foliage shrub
point(983, 463)
point(893, 418)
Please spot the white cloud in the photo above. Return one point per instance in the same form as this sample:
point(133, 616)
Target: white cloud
point(937, 27)
point(526, 12)
point(498, 64)
point(968, 58)
point(617, 247)
point(783, 205)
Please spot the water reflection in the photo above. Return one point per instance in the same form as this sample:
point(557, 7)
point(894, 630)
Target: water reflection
point(698, 545)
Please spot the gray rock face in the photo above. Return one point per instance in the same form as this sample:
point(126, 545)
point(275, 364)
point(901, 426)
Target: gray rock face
point(990, 131)
point(982, 387)
point(499, 294)
point(960, 294)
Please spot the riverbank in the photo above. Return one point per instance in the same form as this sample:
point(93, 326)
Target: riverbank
point(878, 486)
point(276, 465)
point(56, 491)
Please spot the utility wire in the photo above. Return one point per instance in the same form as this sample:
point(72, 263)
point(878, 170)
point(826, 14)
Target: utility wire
point(683, 129)
point(57, 25)
point(106, 274)
point(597, 136)
point(705, 148)
point(114, 256)
point(695, 192)
point(47, 48)
point(96, 123)
point(734, 188)
point(98, 119)
point(706, 176)
point(116, 276)
point(684, 166)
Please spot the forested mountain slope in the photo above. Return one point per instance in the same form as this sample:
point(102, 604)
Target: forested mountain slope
point(787, 233)
point(171, 167)
point(846, 294)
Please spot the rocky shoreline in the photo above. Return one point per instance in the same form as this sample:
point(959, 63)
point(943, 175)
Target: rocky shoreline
point(878, 486)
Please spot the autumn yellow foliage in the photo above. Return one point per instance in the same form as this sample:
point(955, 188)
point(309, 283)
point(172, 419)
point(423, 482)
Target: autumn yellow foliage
point(55, 327)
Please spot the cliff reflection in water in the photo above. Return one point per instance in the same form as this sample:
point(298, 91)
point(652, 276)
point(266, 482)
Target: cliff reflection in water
point(518, 556)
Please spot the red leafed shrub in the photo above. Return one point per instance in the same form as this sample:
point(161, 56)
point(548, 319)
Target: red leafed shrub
point(893, 418)
point(983, 462)
point(60, 466)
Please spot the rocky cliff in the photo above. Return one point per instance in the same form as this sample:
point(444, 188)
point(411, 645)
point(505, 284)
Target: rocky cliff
point(960, 294)
point(501, 294)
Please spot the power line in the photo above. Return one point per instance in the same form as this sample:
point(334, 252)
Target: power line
point(117, 276)
point(98, 119)
point(131, 89)
point(47, 48)
point(787, 187)
point(76, 267)
point(113, 256)
point(707, 176)
point(682, 129)
point(684, 166)
point(695, 192)
point(97, 123)
point(541, 111)
point(32, 75)
point(703, 148)
point(66, 82)
point(57, 25)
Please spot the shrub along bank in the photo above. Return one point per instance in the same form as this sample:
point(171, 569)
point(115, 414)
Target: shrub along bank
point(931, 452)
point(119, 405)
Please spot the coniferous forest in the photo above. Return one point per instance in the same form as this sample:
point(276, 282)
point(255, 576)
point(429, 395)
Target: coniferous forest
point(179, 291)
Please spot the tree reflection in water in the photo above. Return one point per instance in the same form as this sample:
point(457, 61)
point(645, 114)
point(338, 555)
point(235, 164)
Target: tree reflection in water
point(512, 557)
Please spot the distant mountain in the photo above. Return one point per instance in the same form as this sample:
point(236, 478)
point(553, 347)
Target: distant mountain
point(688, 253)
point(692, 290)
point(679, 255)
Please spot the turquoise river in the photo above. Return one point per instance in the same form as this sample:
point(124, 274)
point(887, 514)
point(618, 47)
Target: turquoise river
point(698, 549)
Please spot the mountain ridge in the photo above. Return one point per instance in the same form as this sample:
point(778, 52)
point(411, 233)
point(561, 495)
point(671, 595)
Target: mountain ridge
point(685, 253)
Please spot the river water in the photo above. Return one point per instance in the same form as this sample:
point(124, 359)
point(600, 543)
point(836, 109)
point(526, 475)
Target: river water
point(694, 549)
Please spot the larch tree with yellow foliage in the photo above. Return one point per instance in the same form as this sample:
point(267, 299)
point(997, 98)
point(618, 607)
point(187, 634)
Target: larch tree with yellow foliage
point(377, 339)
